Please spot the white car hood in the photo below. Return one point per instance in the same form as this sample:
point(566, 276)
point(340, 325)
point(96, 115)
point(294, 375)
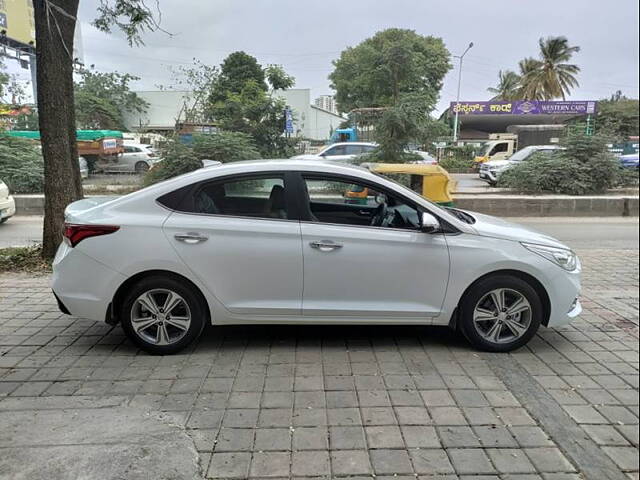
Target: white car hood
point(488, 226)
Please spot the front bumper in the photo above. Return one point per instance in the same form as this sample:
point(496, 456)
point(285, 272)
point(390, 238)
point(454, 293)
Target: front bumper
point(487, 175)
point(7, 208)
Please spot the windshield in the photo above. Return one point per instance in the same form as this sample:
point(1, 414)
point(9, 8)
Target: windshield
point(520, 155)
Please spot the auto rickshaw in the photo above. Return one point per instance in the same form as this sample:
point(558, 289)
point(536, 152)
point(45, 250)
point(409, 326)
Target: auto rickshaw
point(430, 181)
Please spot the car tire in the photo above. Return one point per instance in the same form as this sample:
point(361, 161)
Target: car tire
point(141, 167)
point(2, 220)
point(496, 328)
point(167, 332)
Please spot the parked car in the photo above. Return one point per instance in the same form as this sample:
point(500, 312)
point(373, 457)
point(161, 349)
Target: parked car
point(137, 158)
point(235, 243)
point(347, 151)
point(629, 161)
point(492, 170)
point(7, 203)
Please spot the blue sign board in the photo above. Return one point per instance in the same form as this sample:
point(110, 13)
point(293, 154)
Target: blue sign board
point(288, 120)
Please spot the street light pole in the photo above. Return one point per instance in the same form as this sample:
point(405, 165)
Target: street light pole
point(455, 121)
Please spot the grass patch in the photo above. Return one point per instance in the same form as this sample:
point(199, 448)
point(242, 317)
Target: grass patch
point(23, 259)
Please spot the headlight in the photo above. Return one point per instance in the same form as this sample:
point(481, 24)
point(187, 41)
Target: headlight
point(560, 256)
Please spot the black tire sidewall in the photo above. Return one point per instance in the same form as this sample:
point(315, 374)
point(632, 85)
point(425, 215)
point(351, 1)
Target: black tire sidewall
point(195, 303)
point(143, 169)
point(484, 286)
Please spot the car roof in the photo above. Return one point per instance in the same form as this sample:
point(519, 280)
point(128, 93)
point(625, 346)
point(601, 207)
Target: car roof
point(368, 144)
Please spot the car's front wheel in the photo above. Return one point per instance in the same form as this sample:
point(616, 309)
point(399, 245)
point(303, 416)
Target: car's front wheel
point(162, 315)
point(500, 313)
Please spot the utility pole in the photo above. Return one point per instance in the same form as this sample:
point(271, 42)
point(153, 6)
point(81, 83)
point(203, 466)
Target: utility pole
point(455, 121)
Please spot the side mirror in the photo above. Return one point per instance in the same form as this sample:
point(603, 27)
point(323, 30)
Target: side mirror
point(429, 223)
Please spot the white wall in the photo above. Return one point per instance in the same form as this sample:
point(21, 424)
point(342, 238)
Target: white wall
point(309, 120)
point(165, 107)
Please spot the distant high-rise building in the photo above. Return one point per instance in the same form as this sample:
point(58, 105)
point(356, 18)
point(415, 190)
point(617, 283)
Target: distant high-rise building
point(327, 102)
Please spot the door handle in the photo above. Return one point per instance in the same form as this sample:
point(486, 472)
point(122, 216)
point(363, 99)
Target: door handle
point(190, 237)
point(325, 245)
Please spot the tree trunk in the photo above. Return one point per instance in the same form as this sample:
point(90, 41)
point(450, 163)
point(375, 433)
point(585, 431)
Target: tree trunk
point(55, 22)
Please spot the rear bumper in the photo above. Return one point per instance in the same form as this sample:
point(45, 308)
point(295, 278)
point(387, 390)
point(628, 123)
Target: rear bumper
point(7, 208)
point(83, 286)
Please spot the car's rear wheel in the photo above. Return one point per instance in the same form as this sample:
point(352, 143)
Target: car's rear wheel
point(500, 313)
point(142, 167)
point(162, 315)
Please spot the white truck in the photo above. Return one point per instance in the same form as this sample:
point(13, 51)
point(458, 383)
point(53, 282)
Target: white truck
point(503, 145)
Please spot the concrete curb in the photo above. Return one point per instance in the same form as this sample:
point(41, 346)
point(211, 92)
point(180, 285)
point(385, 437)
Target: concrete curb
point(499, 205)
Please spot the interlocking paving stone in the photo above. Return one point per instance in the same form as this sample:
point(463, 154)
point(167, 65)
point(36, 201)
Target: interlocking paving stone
point(350, 402)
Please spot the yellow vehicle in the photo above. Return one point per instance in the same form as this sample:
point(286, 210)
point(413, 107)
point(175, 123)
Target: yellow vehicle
point(430, 181)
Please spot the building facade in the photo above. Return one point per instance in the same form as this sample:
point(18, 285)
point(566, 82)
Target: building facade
point(309, 120)
point(327, 102)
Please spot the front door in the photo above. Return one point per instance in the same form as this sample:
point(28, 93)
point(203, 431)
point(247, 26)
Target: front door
point(237, 238)
point(369, 259)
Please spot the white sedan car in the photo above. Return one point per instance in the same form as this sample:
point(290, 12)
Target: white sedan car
point(7, 203)
point(236, 244)
point(347, 151)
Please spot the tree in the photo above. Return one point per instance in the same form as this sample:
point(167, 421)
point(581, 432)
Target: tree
point(102, 99)
point(242, 100)
point(55, 22)
point(551, 76)
point(617, 117)
point(508, 86)
point(394, 62)
point(199, 80)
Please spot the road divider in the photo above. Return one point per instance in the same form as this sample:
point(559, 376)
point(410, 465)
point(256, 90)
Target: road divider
point(499, 205)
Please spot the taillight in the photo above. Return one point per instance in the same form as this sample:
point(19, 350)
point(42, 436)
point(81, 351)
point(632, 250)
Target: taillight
point(76, 233)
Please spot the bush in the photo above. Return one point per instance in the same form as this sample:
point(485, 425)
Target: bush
point(21, 165)
point(179, 158)
point(379, 155)
point(456, 163)
point(585, 167)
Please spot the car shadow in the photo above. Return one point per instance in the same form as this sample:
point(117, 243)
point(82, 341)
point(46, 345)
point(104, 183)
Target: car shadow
point(380, 336)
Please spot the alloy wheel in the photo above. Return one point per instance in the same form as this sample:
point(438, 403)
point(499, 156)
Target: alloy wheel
point(502, 316)
point(160, 317)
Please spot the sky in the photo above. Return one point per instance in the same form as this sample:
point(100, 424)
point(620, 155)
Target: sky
point(304, 37)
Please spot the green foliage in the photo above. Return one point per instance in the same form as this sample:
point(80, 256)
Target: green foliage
point(455, 163)
point(241, 102)
point(132, 17)
point(101, 100)
point(585, 167)
point(179, 158)
point(378, 71)
point(508, 86)
point(23, 259)
point(21, 165)
point(278, 79)
point(199, 80)
point(225, 147)
point(618, 117)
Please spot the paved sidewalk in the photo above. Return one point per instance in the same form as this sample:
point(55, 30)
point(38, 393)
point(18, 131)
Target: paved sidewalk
point(78, 401)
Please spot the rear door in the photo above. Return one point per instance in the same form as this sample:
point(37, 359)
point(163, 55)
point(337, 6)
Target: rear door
point(236, 235)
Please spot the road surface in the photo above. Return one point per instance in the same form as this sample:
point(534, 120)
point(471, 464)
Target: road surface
point(607, 232)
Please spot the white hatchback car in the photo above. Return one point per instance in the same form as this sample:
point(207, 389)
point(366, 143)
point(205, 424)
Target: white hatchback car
point(266, 242)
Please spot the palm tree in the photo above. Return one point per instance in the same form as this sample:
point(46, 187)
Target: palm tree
point(531, 85)
point(551, 76)
point(508, 86)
